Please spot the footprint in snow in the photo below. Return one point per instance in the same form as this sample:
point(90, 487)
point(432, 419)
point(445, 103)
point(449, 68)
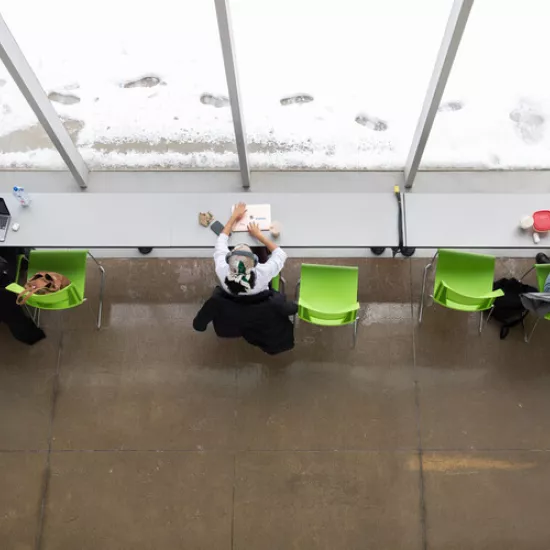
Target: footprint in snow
point(217, 101)
point(449, 106)
point(145, 82)
point(529, 122)
point(65, 99)
point(372, 123)
point(297, 99)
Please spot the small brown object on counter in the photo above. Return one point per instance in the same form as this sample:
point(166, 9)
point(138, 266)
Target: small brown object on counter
point(205, 218)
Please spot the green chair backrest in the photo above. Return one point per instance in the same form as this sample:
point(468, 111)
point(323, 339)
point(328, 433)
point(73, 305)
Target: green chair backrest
point(328, 293)
point(464, 281)
point(276, 282)
point(542, 271)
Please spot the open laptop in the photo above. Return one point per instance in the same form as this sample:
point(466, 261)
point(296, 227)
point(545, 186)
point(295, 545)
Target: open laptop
point(4, 220)
point(259, 213)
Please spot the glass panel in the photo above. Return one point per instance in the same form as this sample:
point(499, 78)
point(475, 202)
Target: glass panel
point(497, 102)
point(23, 141)
point(334, 84)
point(144, 81)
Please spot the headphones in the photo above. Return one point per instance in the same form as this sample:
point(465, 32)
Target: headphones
point(244, 253)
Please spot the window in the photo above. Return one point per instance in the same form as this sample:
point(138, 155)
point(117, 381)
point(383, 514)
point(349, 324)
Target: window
point(23, 141)
point(142, 83)
point(497, 101)
point(331, 84)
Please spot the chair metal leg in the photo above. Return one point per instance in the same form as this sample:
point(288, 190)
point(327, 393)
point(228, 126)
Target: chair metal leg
point(527, 337)
point(355, 327)
point(37, 317)
point(101, 291)
point(282, 285)
point(420, 314)
point(482, 325)
point(296, 297)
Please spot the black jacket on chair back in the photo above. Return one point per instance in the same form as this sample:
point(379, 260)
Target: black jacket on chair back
point(261, 319)
point(20, 325)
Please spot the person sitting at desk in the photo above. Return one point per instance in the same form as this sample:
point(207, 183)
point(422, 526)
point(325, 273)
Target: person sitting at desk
point(239, 270)
point(244, 306)
point(21, 326)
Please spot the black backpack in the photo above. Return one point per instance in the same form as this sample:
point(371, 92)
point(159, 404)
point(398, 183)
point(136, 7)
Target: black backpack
point(508, 309)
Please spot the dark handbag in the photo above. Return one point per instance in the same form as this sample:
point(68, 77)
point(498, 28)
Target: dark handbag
point(508, 309)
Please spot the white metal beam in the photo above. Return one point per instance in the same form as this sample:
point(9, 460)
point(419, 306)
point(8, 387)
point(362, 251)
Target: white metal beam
point(228, 50)
point(26, 80)
point(443, 65)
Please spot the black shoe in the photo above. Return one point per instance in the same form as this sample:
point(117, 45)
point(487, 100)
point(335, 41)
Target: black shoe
point(542, 258)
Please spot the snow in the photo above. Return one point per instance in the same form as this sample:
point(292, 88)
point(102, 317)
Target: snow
point(365, 63)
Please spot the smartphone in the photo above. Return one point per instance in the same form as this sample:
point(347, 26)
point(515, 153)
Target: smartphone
point(217, 227)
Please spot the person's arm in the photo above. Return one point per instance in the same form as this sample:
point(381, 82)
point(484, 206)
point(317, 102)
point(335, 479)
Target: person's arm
point(256, 232)
point(276, 261)
point(238, 212)
point(222, 249)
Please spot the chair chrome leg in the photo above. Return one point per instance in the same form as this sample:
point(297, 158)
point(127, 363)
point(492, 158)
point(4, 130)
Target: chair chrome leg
point(101, 291)
point(421, 312)
point(527, 338)
point(37, 317)
point(296, 297)
point(282, 285)
point(482, 325)
point(355, 327)
point(31, 312)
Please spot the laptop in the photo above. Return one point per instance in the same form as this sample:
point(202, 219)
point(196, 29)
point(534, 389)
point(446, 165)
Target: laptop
point(259, 213)
point(4, 220)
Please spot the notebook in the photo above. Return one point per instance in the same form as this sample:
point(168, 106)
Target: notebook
point(259, 213)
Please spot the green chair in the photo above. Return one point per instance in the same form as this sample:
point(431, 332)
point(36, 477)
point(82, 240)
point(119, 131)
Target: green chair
point(327, 296)
point(463, 282)
point(72, 264)
point(542, 271)
point(278, 283)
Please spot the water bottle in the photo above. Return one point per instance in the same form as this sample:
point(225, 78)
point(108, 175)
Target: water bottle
point(23, 197)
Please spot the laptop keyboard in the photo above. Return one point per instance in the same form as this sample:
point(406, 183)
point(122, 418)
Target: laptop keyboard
point(3, 222)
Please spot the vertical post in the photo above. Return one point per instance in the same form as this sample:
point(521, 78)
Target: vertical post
point(26, 80)
point(228, 49)
point(443, 65)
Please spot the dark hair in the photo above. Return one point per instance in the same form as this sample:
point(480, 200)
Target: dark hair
point(237, 288)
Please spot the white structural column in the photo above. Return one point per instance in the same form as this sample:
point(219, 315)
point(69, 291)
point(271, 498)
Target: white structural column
point(26, 80)
point(228, 50)
point(443, 65)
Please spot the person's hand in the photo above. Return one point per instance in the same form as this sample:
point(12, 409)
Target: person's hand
point(239, 211)
point(254, 230)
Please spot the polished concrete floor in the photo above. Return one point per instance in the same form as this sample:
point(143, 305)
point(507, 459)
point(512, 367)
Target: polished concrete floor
point(146, 435)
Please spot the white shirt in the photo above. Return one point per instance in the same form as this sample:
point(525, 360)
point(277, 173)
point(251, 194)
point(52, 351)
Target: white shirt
point(264, 272)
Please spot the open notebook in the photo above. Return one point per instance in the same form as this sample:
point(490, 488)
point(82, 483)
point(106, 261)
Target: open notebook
point(259, 213)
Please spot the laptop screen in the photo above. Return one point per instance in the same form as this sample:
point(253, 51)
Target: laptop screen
point(3, 208)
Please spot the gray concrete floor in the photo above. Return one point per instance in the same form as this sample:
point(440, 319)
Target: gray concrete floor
point(146, 435)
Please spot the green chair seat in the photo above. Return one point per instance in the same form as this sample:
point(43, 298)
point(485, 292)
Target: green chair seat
point(328, 295)
point(463, 282)
point(71, 264)
point(542, 271)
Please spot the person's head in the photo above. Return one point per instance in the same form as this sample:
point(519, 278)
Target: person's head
point(242, 274)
